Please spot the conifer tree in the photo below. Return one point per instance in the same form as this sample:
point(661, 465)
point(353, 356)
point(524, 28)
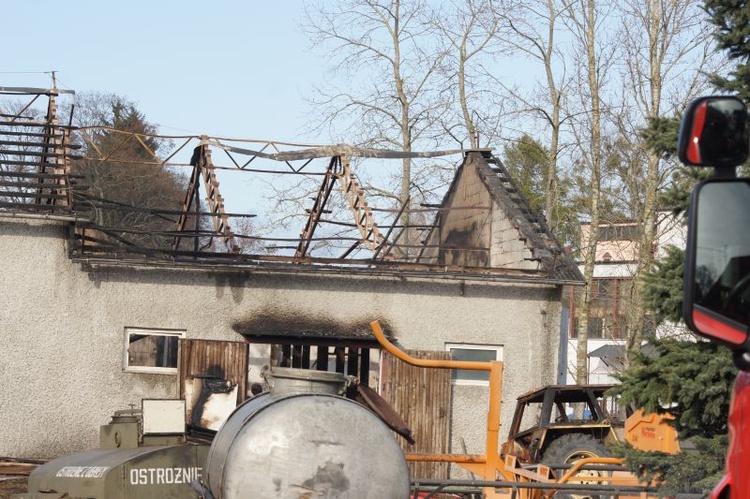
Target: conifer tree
point(126, 178)
point(733, 37)
point(692, 381)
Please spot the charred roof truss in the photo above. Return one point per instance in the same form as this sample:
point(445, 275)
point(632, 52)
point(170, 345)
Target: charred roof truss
point(39, 179)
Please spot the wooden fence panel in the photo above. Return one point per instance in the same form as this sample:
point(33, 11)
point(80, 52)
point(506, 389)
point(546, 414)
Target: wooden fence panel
point(422, 397)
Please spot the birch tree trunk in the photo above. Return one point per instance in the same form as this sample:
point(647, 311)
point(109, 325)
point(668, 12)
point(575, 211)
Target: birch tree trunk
point(585, 19)
point(660, 39)
point(532, 27)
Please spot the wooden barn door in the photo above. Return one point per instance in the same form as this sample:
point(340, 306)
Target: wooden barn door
point(213, 379)
point(422, 398)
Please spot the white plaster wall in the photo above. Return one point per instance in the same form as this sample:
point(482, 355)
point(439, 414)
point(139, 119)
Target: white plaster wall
point(62, 329)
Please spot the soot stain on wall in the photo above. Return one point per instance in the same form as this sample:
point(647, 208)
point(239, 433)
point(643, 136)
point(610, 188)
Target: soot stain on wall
point(299, 324)
point(459, 241)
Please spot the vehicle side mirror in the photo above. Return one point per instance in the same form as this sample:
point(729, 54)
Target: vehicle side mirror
point(716, 286)
point(717, 262)
point(714, 133)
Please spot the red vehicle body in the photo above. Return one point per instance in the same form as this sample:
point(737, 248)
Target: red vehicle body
point(736, 482)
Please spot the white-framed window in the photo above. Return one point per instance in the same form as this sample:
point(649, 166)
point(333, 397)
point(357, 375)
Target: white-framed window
point(152, 350)
point(476, 353)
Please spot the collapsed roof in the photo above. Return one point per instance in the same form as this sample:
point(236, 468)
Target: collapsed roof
point(482, 229)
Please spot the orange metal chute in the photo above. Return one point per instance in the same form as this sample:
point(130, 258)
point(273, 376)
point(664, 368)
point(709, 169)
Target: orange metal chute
point(651, 432)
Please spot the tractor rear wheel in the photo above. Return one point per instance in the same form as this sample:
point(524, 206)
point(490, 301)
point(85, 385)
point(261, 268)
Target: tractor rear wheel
point(571, 448)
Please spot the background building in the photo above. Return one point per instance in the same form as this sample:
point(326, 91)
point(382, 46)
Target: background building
point(610, 288)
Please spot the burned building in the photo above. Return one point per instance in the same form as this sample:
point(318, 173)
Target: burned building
point(99, 313)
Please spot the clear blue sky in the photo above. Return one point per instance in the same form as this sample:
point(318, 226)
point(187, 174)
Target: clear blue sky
point(236, 69)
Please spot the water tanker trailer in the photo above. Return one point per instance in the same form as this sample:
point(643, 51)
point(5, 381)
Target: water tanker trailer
point(301, 439)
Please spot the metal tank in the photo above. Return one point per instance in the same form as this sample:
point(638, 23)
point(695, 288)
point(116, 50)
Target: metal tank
point(156, 472)
point(302, 439)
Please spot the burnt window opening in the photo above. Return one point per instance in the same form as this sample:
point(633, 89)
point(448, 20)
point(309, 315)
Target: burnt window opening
point(348, 360)
point(152, 350)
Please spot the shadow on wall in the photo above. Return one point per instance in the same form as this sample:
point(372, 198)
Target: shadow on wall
point(236, 282)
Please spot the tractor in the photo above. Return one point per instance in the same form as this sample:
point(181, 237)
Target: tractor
point(561, 424)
